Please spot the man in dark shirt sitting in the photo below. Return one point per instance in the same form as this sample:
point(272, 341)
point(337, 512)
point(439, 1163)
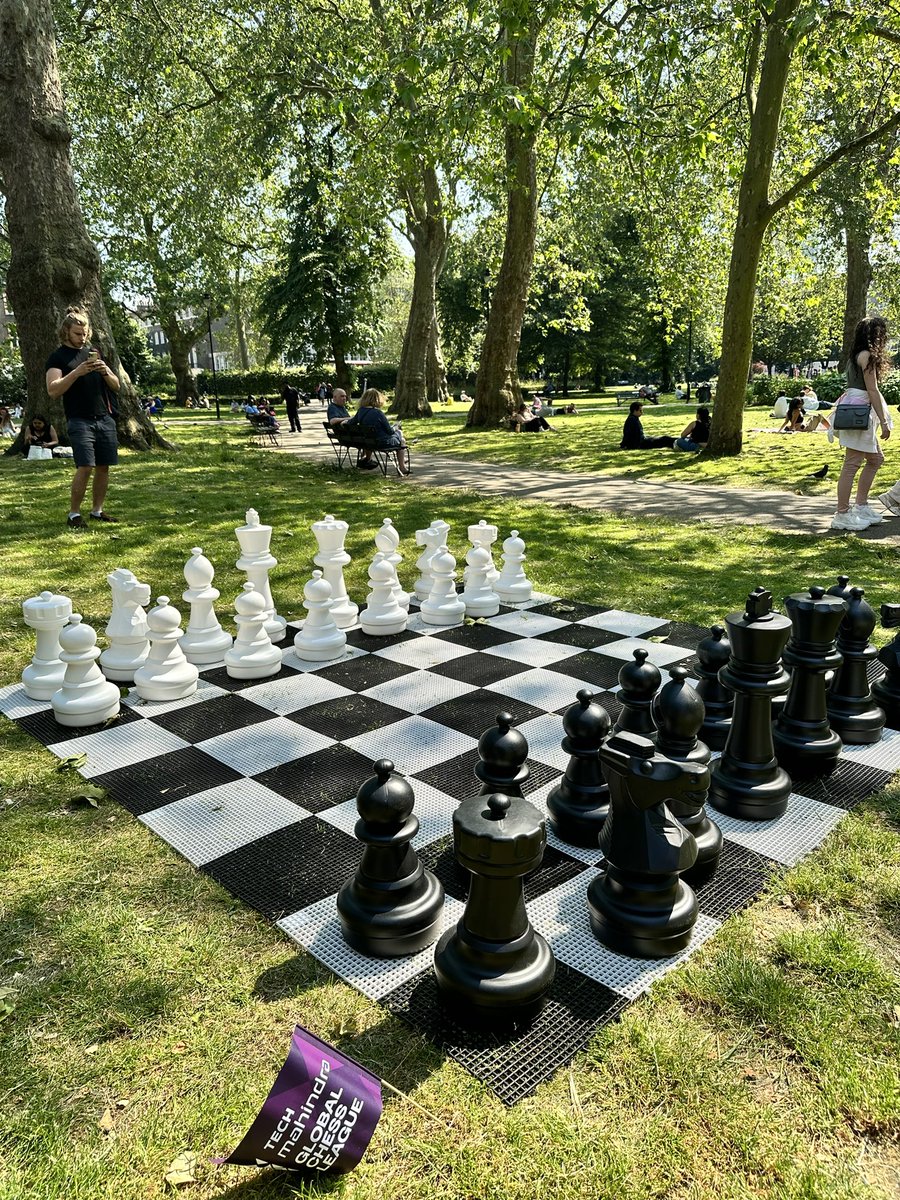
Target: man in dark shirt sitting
point(87, 385)
point(633, 433)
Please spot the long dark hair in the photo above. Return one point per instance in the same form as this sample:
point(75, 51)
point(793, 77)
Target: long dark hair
point(795, 405)
point(871, 335)
point(39, 417)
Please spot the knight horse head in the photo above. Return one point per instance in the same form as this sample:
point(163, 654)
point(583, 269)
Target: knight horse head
point(645, 776)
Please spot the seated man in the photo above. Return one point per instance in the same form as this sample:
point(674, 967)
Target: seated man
point(338, 412)
point(633, 432)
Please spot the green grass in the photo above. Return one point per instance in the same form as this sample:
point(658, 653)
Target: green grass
point(766, 1068)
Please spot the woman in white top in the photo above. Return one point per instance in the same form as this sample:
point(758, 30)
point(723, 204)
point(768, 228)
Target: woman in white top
point(868, 363)
point(7, 428)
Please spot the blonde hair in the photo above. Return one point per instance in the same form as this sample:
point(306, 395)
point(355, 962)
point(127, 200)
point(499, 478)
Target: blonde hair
point(372, 398)
point(75, 316)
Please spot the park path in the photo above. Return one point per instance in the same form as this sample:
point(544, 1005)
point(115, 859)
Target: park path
point(784, 512)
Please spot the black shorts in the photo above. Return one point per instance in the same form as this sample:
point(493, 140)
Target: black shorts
point(93, 441)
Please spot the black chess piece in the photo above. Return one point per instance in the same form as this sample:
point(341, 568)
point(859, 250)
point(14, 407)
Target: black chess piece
point(640, 905)
point(392, 905)
point(841, 589)
point(747, 782)
point(639, 682)
point(579, 803)
point(492, 968)
point(805, 743)
point(503, 751)
point(852, 710)
point(713, 654)
point(678, 710)
point(886, 690)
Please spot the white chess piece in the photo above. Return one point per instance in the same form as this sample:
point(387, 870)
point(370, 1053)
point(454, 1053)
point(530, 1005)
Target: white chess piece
point(382, 615)
point(484, 535)
point(256, 561)
point(478, 596)
point(252, 656)
point(332, 558)
point(127, 629)
point(47, 614)
point(167, 674)
point(319, 640)
point(387, 539)
point(434, 539)
point(85, 697)
point(513, 586)
point(443, 606)
point(205, 641)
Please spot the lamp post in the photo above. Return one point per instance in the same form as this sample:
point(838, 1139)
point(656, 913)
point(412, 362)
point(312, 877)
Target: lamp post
point(212, 356)
point(690, 351)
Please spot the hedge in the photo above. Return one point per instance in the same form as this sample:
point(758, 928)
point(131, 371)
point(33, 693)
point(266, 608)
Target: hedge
point(763, 391)
point(12, 384)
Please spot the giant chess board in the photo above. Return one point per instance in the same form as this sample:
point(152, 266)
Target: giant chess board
point(254, 783)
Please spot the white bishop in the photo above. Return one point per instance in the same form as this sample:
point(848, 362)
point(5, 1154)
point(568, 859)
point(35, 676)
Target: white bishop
point(205, 641)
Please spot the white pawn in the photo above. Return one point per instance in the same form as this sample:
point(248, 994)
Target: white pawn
point(382, 615)
point(443, 606)
point(127, 629)
point(319, 640)
point(387, 539)
point(434, 539)
point(205, 641)
point(85, 698)
point(513, 585)
point(478, 596)
point(47, 614)
point(167, 674)
point(257, 561)
point(252, 656)
point(484, 535)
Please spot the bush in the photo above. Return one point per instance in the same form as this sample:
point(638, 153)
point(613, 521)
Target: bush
point(12, 383)
point(763, 391)
point(240, 384)
point(157, 376)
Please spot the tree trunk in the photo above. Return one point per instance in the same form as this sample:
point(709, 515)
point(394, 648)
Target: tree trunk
point(435, 370)
point(428, 232)
point(753, 217)
point(339, 354)
point(497, 390)
point(181, 342)
point(240, 327)
point(53, 263)
point(856, 295)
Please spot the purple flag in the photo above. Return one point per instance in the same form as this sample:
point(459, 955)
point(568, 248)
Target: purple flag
point(319, 1116)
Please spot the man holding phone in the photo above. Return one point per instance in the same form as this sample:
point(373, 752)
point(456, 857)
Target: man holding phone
point(77, 373)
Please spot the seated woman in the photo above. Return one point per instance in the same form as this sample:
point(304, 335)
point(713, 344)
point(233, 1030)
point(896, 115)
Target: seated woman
point(520, 420)
point(696, 434)
point(39, 432)
point(371, 418)
point(795, 421)
point(7, 428)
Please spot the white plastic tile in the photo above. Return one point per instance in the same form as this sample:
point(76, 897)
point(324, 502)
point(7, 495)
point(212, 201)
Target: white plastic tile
point(151, 708)
point(285, 696)
point(215, 822)
point(289, 659)
point(413, 744)
point(788, 838)
point(419, 690)
point(15, 704)
point(533, 652)
point(121, 746)
point(424, 652)
point(545, 735)
point(544, 689)
point(526, 623)
point(626, 623)
point(318, 929)
point(561, 916)
point(433, 808)
point(660, 653)
point(884, 754)
point(266, 744)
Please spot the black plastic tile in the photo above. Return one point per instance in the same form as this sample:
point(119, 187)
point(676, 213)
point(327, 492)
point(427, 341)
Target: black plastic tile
point(348, 716)
point(454, 776)
point(45, 728)
point(594, 669)
point(364, 672)
point(157, 781)
point(476, 636)
point(740, 877)
point(222, 714)
point(480, 669)
point(680, 633)
point(847, 786)
point(579, 635)
point(321, 780)
point(476, 712)
point(569, 610)
point(365, 641)
point(220, 677)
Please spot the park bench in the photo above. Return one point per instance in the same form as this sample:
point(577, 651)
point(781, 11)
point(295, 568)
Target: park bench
point(262, 431)
point(347, 443)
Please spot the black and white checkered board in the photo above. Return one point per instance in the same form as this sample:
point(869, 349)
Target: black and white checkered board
point(254, 783)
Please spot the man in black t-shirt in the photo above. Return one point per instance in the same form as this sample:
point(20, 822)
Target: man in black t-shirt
point(77, 373)
point(633, 432)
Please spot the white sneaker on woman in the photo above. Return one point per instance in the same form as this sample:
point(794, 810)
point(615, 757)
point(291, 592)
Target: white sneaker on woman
point(849, 522)
point(868, 513)
point(890, 504)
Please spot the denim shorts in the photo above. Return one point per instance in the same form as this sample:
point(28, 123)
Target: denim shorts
point(93, 441)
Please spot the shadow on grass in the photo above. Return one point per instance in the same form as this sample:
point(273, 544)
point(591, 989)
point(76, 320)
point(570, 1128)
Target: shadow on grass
point(272, 1185)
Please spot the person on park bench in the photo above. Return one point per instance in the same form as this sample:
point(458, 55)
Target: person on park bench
point(370, 417)
point(633, 432)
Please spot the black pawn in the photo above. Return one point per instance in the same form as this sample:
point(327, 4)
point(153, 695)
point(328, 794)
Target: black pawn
point(747, 782)
point(640, 905)
point(852, 710)
point(392, 905)
point(579, 803)
point(639, 681)
point(713, 654)
point(492, 968)
point(805, 743)
point(679, 714)
point(503, 752)
point(886, 690)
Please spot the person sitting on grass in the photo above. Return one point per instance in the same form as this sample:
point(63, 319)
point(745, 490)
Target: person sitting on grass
point(7, 428)
point(696, 434)
point(795, 421)
point(371, 418)
point(39, 432)
point(633, 437)
point(519, 420)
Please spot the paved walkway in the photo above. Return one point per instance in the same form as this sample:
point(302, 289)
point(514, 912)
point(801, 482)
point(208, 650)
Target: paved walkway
point(781, 511)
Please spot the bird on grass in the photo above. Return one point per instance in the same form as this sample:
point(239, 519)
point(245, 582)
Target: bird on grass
point(820, 474)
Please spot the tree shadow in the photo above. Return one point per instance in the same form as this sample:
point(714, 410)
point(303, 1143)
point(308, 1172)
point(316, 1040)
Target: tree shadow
point(279, 1185)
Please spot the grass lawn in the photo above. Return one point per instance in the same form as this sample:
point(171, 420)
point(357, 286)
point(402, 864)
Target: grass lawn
point(144, 1012)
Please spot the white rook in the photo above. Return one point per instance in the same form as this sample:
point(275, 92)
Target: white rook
point(47, 614)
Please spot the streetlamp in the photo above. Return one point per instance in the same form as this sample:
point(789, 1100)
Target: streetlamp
point(690, 351)
point(212, 355)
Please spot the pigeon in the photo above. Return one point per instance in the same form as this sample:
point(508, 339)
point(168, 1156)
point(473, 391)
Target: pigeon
point(820, 474)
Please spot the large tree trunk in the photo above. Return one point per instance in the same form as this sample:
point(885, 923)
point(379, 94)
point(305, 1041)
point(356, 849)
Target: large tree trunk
point(339, 354)
point(435, 370)
point(181, 343)
point(497, 388)
point(428, 232)
point(753, 216)
point(53, 264)
point(240, 326)
point(859, 279)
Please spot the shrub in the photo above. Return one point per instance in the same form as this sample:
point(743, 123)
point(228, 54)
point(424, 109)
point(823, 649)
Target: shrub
point(763, 391)
point(12, 383)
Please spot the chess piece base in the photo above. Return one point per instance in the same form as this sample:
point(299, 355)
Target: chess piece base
point(40, 682)
point(102, 705)
point(256, 666)
point(518, 594)
point(803, 759)
point(708, 837)
point(481, 608)
point(653, 922)
point(207, 652)
point(493, 984)
point(758, 793)
point(577, 824)
point(380, 628)
point(859, 729)
point(373, 923)
point(888, 699)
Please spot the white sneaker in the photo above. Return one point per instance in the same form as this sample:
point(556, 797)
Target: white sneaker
point(890, 504)
point(849, 522)
point(868, 513)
